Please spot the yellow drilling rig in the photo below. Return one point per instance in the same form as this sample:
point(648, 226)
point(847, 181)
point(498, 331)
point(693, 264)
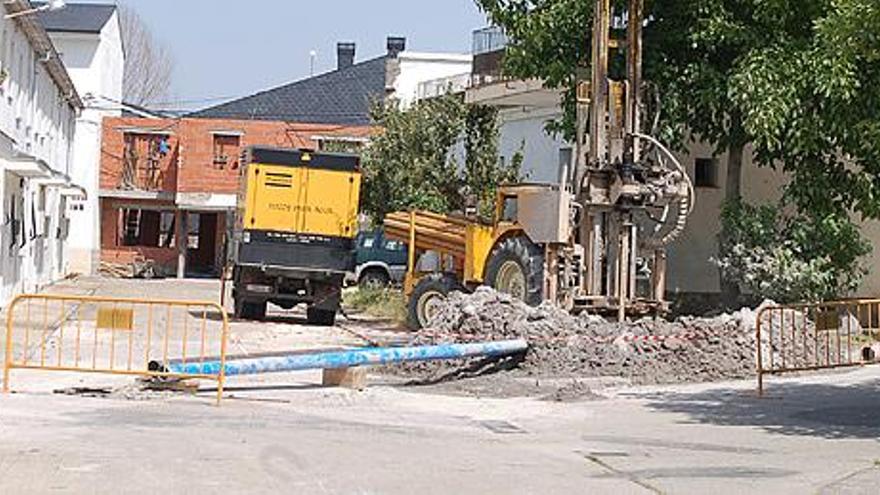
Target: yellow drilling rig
point(596, 242)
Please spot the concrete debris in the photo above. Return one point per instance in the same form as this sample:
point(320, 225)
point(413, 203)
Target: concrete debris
point(647, 351)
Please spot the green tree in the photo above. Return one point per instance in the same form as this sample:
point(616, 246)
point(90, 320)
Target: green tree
point(798, 79)
point(412, 164)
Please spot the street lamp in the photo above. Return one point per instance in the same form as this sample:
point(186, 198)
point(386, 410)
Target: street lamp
point(50, 6)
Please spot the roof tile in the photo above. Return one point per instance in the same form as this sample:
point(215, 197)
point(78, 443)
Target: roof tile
point(338, 97)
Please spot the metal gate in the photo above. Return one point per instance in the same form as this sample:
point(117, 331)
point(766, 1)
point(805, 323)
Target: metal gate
point(138, 337)
point(809, 337)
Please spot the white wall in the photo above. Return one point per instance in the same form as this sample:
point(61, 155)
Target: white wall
point(690, 267)
point(416, 68)
point(689, 264)
point(96, 65)
point(36, 121)
point(33, 112)
point(523, 130)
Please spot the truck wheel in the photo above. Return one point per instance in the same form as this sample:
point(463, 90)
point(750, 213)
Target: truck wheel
point(374, 278)
point(321, 317)
point(516, 267)
point(428, 295)
point(245, 310)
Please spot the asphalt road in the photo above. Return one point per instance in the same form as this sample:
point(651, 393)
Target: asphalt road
point(285, 434)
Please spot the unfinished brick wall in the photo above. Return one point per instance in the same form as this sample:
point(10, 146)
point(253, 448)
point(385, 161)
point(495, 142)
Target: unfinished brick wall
point(114, 151)
point(191, 167)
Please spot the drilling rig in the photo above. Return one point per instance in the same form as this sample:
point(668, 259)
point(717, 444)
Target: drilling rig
point(597, 242)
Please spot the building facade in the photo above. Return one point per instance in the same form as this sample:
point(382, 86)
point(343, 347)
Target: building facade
point(89, 41)
point(163, 180)
point(39, 105)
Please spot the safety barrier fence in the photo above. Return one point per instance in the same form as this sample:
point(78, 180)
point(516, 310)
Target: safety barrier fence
point(810, 337)
point(117, 336)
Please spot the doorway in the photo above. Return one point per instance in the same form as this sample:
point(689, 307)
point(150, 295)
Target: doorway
point(202, 240)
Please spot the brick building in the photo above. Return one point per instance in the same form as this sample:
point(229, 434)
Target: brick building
point(167, 179)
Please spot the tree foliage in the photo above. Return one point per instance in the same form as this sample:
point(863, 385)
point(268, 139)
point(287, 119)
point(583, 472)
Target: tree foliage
point(798, 80)
point(413, 163)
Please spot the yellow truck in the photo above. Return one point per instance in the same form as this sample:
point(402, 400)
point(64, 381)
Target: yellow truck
point(295, 228)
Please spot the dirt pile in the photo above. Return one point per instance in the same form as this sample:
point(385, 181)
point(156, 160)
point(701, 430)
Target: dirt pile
point(561, 345)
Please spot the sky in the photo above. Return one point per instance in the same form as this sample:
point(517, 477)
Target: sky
point(231, 48)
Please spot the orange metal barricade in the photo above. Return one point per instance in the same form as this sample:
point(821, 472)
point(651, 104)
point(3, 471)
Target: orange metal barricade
point(810, 337)
point(119, 336)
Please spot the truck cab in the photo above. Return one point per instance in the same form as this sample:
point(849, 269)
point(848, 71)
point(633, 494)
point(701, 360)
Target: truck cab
point(379, 261)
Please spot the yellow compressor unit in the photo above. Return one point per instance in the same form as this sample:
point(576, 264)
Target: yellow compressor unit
point(295, 228)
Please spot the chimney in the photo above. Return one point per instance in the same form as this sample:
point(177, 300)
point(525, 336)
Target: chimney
point(344, 55)
point(396, 44)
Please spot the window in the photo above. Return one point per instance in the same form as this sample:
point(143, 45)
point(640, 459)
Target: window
point(145, 156)
point(394, 246)
point(146, 228)
point(193, 224)
point(509, 209)
point(565, 156)
point(226, 150)
point(706, 172)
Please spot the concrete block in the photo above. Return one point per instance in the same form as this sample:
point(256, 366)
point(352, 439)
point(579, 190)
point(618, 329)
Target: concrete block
point(353, 378)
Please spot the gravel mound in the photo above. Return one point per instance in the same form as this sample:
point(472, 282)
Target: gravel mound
point(647, 351)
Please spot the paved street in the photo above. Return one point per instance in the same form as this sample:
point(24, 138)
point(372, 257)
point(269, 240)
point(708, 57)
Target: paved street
point(284, 433)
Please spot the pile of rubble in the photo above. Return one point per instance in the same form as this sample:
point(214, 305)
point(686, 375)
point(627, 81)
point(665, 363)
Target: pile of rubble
point(647, 351)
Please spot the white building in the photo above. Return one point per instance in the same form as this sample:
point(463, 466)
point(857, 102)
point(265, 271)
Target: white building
point(89, 41)
point(38, 110)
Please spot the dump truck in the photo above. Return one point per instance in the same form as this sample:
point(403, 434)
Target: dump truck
point(294, 234)
point(596, 241)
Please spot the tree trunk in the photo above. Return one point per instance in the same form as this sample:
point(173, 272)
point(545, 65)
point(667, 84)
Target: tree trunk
point(730, 292)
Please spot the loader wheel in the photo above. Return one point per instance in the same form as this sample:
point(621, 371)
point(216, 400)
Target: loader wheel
point(516, 267)
point(427, 297)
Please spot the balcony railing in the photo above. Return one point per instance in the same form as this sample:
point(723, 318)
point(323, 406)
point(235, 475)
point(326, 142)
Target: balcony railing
point(443, 85)
point(489, 39)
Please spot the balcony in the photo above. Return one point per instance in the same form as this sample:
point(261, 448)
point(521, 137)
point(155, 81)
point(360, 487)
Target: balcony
point(525, 94)
point(489, 45)
point(489, 39)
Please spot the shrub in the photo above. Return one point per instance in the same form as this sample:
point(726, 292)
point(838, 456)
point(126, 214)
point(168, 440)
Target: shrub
point(788, 258)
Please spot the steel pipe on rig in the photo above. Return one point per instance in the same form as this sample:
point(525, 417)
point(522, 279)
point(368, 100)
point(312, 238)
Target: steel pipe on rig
point(350, 358)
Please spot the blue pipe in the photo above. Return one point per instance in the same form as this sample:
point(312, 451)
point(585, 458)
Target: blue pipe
point(351, 358)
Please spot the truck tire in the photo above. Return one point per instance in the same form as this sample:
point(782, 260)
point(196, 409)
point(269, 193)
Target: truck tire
point(374, 278)
point(516, 267)
point(249, 310)
point(430, 291)
point(321, 317)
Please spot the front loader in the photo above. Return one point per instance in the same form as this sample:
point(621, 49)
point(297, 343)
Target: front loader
point(597, 242)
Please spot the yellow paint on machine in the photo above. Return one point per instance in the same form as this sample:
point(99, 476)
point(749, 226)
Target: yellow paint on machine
point(301, 199)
